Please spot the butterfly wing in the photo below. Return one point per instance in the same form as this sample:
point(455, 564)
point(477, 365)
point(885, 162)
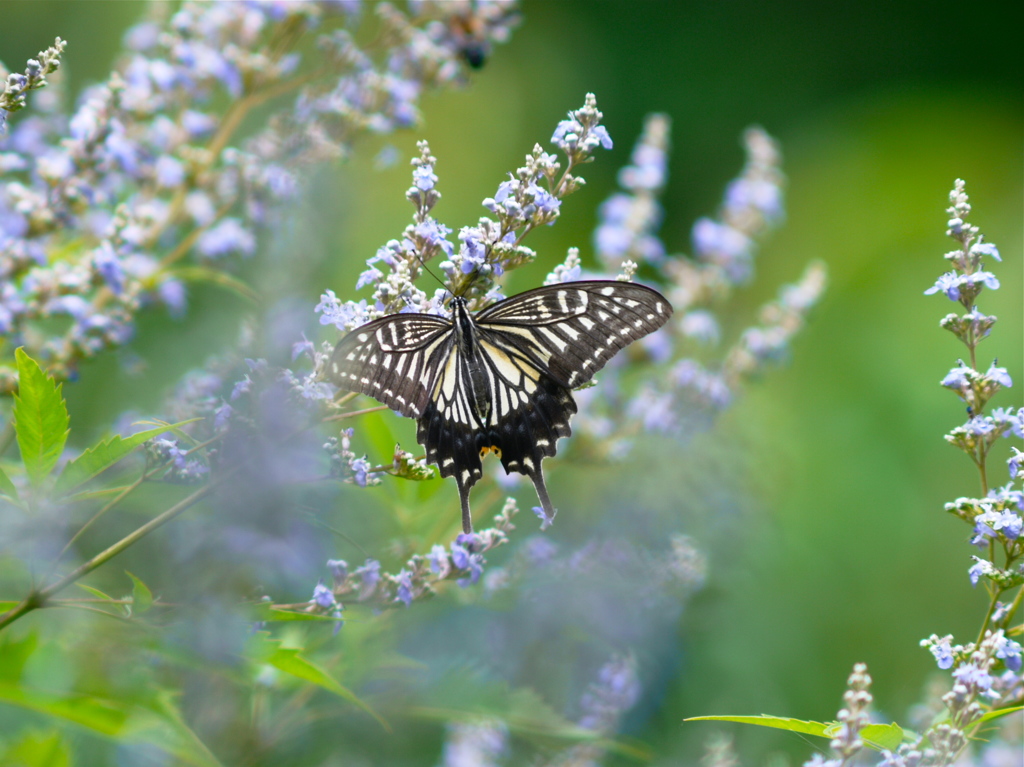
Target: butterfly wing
point(394, 360)
point(537, 346)
point(572, 329)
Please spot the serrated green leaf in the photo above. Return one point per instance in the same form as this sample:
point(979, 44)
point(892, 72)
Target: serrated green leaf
point(775, 722)
point(105, 454)
point(7, 487)
point(288, 660)
point(142, 597)
point(217, 277)
point(37, 749)
point(103, 716)
point(40, 419)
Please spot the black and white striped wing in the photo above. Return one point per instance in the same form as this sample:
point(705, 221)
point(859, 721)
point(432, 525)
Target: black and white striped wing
point(572, 329)
point(394, 360)
point(497, 402)
point(501, 400)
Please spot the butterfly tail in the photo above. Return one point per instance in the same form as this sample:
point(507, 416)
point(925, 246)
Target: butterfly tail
point(467, 516)
point(545, 501)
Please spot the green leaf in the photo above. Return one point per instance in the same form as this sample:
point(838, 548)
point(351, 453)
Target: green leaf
point(7, 487)
point(40, 419)
point(102, 716)
point(15, 654)
point(775, 722)
point(95, 592)
point(162, 725)
point(159, 723)
point(267, 612)
point(999, 713)
point(142, 597)
point(876, 736)
point(37, 749)
point(288, 660)
point(103, 455)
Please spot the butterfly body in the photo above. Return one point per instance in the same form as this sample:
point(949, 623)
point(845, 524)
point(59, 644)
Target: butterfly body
point(498, 382)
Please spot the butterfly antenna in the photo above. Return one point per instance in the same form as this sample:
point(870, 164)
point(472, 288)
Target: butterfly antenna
point(427, 270)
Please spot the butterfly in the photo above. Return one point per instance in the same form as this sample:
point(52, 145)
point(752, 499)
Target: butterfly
point(499, 381)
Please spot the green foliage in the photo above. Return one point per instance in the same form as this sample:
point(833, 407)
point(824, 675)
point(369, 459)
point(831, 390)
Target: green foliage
point(40, 419)
point(95, 592)
point(163, 726)
point(37, 749)
point(288, 660)
point(15, 653)
point(7, 487)
point(42, 426)
point(267, 612)
point(875, 736)
point(97, 459)
point(142, 597)
point(101, 715)
point(991, 716)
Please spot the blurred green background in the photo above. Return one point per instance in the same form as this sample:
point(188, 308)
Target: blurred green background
point(819, 495)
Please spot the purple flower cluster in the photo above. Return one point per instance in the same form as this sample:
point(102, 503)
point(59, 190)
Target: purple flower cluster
point(616, 691)
point(99, 207)
point(998, 517)
point(463, 561)
point(700, 380)
point(348, 466)
point(630, 219)
point(979, 684)
point(181, 466)
point(530, 198)
point(476, 744)
point(977, 687)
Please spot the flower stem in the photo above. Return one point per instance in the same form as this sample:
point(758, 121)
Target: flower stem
point(37, 599)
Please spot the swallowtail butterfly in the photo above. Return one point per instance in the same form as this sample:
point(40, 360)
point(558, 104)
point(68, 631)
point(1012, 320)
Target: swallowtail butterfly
point(499, 381)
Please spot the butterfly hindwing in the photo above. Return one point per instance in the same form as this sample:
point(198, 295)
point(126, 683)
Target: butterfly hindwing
point(511, 408)
point(496, 403)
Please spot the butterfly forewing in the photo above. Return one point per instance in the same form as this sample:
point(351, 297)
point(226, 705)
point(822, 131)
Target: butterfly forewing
point(393, 360)
point(571, 330)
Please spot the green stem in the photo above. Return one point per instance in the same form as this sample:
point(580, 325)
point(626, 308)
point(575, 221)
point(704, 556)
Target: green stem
point(988, 616)
point(38, 598)
point(116, 500)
